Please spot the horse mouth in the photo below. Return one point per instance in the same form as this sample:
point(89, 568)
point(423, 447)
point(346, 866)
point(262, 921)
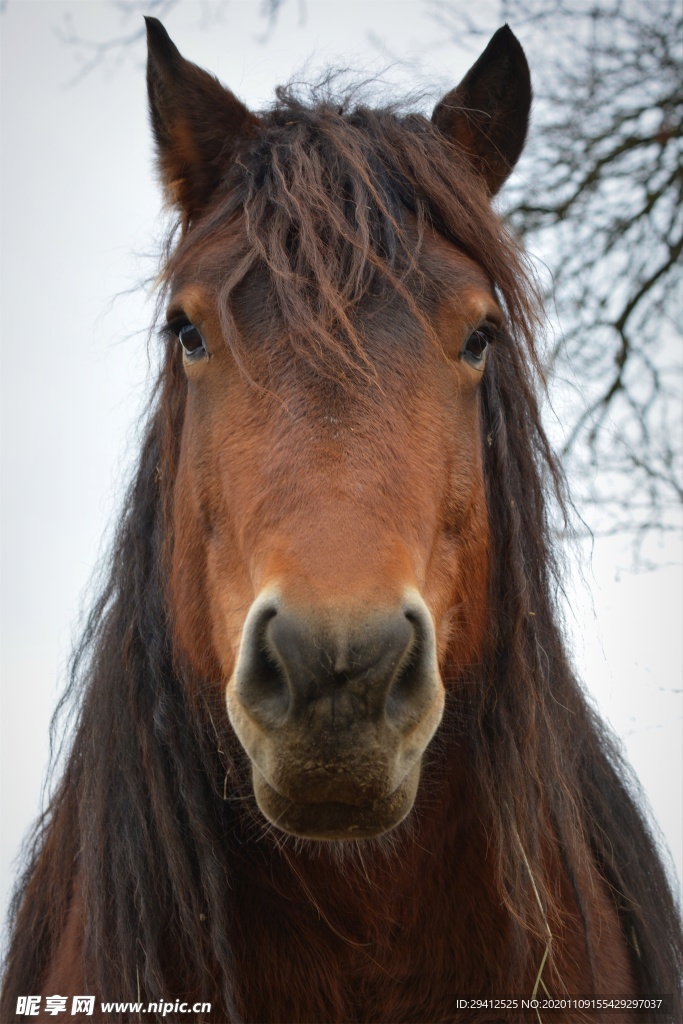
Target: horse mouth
point(336, 819)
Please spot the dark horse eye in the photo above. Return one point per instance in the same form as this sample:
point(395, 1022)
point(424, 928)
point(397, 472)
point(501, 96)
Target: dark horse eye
point(476, 345)
point(192, 341)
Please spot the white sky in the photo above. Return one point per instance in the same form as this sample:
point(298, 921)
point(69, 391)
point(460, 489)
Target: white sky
point(79, 207)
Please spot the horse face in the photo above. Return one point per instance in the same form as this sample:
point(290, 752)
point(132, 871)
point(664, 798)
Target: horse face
point(330, 557)
point(330, 554)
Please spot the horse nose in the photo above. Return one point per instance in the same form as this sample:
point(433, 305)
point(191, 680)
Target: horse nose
point(294, 668)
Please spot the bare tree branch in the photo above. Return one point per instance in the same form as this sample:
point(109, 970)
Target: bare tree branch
point(110, 53)
point(599, 194)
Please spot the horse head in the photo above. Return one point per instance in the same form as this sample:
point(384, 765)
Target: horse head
point(330, 557)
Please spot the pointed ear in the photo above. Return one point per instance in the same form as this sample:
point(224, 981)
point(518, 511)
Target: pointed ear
point(487, 115)
point(197, 124)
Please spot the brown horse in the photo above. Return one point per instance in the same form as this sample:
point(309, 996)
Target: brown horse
point(330, 762)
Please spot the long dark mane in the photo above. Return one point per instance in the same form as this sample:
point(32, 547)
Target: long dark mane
point(154, 808)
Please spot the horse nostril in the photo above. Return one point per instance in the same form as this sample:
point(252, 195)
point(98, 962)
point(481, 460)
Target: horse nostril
point(260, 681)
point(413, 684)
point(292, 667)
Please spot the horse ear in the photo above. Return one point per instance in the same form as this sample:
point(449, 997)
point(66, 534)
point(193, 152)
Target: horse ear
point(487, 115)
point(197, 123)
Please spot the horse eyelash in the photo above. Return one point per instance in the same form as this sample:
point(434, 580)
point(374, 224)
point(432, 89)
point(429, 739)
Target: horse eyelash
point(173, 327)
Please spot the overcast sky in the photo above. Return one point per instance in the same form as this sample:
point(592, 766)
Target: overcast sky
point(80, 224)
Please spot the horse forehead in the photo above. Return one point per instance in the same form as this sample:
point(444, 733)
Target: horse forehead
point(456, 283)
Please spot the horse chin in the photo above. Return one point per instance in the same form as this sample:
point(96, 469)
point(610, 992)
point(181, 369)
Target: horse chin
point(336, 820)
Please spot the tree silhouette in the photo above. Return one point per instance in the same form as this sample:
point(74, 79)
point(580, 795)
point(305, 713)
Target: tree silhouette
point(599, 198)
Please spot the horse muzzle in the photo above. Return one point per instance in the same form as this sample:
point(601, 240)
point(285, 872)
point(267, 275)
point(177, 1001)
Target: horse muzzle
point(335, 709)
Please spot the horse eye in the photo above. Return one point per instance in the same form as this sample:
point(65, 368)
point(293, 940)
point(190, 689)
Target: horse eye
point(476, 345)
point(191, 339)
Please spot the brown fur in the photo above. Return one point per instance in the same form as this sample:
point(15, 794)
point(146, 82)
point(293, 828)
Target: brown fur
point(336, 259)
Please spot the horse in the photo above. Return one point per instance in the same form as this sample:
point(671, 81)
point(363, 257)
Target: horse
point(330, 760)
